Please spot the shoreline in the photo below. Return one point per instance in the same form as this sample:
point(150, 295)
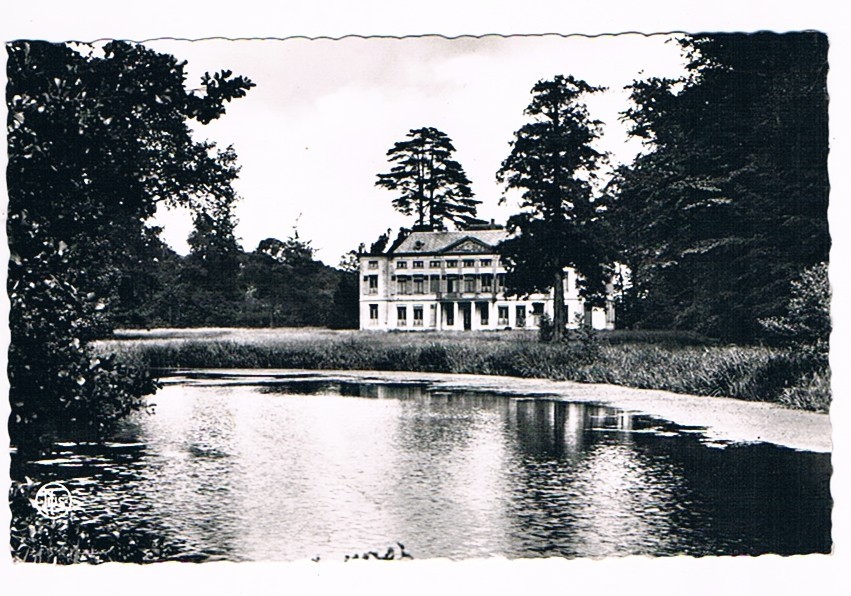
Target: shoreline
point(665, 362)
point(724, 419)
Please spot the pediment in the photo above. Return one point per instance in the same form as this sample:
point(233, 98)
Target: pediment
point(468, 245)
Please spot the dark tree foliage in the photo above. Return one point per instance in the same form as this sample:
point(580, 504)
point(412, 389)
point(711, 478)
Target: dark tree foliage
point(144, 285)
point(554, 163)
point(280, 284)
point(430, 183)
point(805, 321)
point(293, 287)
point(729, 202)
point(350, 262)
point(400, 238)
point(345, 310)
point(214, 254)
point(96, 139)
point(204, 287)
point(381, 243)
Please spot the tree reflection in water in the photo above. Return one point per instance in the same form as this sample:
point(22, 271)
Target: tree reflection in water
point(283, 470)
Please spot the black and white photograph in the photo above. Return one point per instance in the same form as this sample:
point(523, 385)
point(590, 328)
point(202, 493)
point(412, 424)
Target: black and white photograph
point(379, 300)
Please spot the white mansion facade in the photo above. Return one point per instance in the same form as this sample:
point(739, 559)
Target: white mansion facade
point(455, 281)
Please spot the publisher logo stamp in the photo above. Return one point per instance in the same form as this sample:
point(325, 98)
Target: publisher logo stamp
point(53, 500)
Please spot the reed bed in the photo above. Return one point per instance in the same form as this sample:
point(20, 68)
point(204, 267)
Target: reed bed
point(682, 364)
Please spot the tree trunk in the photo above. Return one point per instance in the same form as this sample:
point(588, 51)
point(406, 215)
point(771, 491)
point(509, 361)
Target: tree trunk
point(431, 221)
point(559, 314)
point(420, 189)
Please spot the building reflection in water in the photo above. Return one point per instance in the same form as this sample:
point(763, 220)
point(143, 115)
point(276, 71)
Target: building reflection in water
point(291, 470)
point(583, 489)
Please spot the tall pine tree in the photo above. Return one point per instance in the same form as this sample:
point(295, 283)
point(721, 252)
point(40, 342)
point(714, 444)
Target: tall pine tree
point(430, 183)
point(553, 162)
point(728, 203)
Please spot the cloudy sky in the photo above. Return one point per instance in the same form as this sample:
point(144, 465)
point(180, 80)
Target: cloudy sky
point(314, 132)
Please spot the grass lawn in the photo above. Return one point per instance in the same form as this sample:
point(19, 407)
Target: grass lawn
point(653, 360)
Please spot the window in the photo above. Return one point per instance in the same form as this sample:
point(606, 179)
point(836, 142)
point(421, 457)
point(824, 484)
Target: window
point(521, 315)
point(401, 264)
point(418, 316)
point(451, 284)
point(502, 315)
point(487, 282)
point(452, 263)
point(373, 312)
point(469, 262)
point(450, 315)
point(372, 287)
point(404, 286)
point(500, 281)
point(373, 264)
point(434, 284)
point(484, 311)
point(486, 262)
point(469, 283)
point(418, 264)
point(432, 315)
point(434, 264)
point(419, 285)
point(401, 316)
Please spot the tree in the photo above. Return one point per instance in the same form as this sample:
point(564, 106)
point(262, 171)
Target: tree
point(95, 142)
point(296, 288)
point(208, 290)
point(215, 252)
point(350, 262)
point(728, 202)
point(146, 285)
point(805, 322)
point(381, 242)
point(431, 184)
point(553, 162)
point(344, 310)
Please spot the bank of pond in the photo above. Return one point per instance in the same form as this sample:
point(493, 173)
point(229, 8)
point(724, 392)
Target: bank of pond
point(680, 363)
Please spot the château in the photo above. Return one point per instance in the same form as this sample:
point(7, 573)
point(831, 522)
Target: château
point(454, 280)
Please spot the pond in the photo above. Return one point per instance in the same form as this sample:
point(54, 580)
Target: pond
point(292, 468)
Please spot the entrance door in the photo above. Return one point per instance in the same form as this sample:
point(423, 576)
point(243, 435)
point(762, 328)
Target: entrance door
point(449, 314)
point(467, 313)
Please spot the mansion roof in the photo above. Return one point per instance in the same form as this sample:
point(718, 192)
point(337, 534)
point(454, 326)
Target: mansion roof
point(463, 241)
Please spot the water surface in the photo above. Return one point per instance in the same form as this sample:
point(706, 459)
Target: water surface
point(285, 469)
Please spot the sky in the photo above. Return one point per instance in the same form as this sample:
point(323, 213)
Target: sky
point(313, 134)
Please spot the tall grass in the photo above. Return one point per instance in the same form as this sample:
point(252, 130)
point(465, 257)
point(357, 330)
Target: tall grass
point(684, 365)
